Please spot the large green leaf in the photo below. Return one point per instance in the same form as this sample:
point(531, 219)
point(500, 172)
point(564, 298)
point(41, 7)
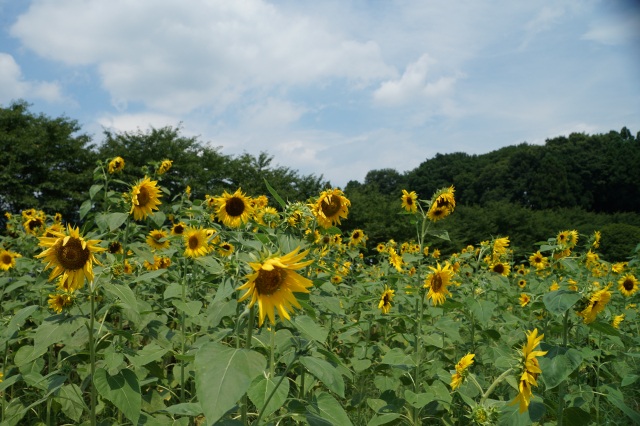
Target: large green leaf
point(482, 310)
point(71, 402)
point(260, 390)
point(223, 375)
point(558, 368)
point(559, 301)
point(325, 409)
point(396, 356)
point(326, 373)
point(122, 389)
point(310, 329)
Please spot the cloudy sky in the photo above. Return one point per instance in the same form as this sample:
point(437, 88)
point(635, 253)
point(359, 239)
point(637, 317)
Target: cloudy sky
point(333, 87)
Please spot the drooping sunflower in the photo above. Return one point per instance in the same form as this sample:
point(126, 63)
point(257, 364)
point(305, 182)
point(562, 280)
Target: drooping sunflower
point(57, 302)
point(538, 261)
point(116, 165)
point(597, 302)
point(442, 204)
point(233, 209)
point(437, 282)
point(196, 242)
point(409, 201)
point(144, 198)
point(385, 300)
point(617, 320)
point(7, 259)
point(395, 259)
point(461, 370)
point(596, 239)
point(157, 239)
point(330, 207)
point(164, 167)
point(70, 256)
point(500, 246)
point(628, 285)
point(273, 284)
point(530, 370)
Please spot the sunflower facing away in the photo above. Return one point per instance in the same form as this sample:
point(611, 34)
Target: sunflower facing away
point(233, 209)
point(530, 370)
point(461, 370)
point(164, 167)
point(196, 242)
point(442, 204)
point(385, 300)
point(410, 201)
point(437, 282)
point(116, 165)
point(330, 207)
point(70, 256)
point(274, 282)
point(144, 198)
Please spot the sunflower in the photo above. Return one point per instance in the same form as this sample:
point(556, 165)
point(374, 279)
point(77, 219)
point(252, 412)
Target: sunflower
point(115, 247)
point(385, 300)
point(233, 209)
point(628, 285)
point(530, 370)
point(442, 204)
point(144, 198)
point(196, 241)
point(500, 268)
point(7, 259)
point(226, 249)
point(538, 261)
point(597, 303)
point(57, 302)
point(70, 256)
point(116, 165)
point(617, 320)
point(409, 201)
point(437, 282)
point(381, 248)
point(336, 279)
point(522, 283)
point(274, 282)
point(33, 225)
point(357, 237)
point(395, 259)
point(524, 299)
point(500, 246)
point(157, 239)
point(178, 228)
point(596, 239)
point(330, 207)
point(461, 370)
point(164, 167)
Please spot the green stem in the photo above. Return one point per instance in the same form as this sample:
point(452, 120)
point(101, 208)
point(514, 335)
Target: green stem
point(273, 391)
point(495, 383)
point(247, 345)
point(417, 348)
point(183, 346)
point(92, 357)
point(272, 355)
point(563, 385)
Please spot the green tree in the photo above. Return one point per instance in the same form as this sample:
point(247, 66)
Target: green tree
point(47, 162)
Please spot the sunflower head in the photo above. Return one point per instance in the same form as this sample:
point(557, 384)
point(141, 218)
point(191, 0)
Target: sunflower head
point(164, 167)
point(70, 256)
point(330, 207)
point(409, 201)
point(157, 239)
point(442, 204)
point(196, 242)
point(144, 197)
point(226, 249)
point(385, 300)
point(116, 165)
point(234, 209)
point(57, 302)
point(628, 285)
point(273, 283)
point(7, 259)
point(437, 282)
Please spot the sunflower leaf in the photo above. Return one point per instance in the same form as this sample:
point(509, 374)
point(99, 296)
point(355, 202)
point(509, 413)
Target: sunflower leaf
point(275, 195)
point(122, 389)
point(559, 301)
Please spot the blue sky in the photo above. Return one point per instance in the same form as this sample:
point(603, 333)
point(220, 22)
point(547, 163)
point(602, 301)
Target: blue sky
point(334, 87)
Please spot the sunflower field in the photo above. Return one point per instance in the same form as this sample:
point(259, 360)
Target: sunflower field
point(248, 309)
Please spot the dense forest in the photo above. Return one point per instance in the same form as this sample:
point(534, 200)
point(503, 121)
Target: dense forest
point(527, 192)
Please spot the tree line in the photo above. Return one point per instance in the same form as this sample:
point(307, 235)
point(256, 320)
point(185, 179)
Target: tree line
point(527, 192)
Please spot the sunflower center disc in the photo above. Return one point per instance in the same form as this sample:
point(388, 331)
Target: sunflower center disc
point(332, 207)
point(6, 259)
point(268, 282)
point(143, 197)
point(178, 229)
point(72, 256)
point(499, 268)
point(628, 285)
point(234, 206)
point(194, 242)
point(436, 283)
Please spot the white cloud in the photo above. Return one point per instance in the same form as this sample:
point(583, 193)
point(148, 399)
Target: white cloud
point(615, 32)
point(272, 113)
point(13, 85)
point(139, 121)
point(211, 53)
